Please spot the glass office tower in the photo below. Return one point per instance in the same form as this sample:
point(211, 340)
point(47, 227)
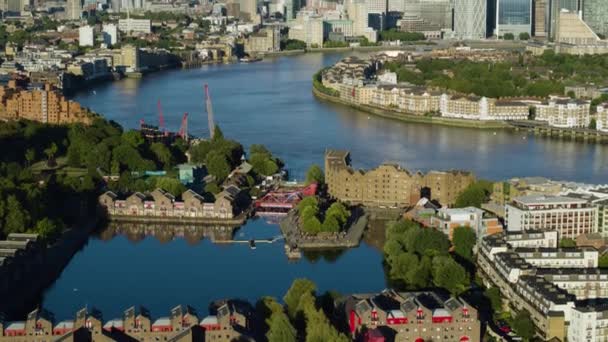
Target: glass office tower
point(513, 16)
point(595, 14)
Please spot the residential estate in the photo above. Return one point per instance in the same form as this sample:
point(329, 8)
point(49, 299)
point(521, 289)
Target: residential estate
point(229, 320)
point(561, 288)
point(411, 316)
point(46, 105)
point(161, 203)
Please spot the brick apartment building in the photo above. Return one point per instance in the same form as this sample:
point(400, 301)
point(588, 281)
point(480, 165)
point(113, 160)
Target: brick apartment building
point(161, 203)
point(229, 321)
point(45, 105)
point(412, 316)
point(389, 185)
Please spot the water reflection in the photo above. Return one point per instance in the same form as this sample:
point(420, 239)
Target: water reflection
point(162, 266)
point(193, 234)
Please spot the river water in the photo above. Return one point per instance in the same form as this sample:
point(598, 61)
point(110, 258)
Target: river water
point(270, 103)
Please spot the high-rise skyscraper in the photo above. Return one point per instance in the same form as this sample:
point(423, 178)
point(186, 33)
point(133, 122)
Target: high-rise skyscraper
point(556, 6)
point(437, 12)
point(513, 16)
point(595, 14)
point(540, 25)
point(73, 9)
point(470, 19)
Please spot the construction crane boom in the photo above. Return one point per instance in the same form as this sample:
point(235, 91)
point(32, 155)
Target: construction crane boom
point(183, 130)
point(209, 112)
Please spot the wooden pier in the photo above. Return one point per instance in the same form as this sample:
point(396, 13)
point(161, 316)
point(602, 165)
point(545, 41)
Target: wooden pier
point(572, 134)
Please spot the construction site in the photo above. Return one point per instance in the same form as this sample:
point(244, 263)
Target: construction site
point(160, 133)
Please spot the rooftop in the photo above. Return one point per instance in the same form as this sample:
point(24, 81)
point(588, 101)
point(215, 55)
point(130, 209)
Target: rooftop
point(544, 199)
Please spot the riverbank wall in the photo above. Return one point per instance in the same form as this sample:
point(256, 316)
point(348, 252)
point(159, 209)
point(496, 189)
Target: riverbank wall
point(183, 220)
point(37, 271)
point(391, 114)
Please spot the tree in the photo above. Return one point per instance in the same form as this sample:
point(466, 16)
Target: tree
point(402, 264)
point(294, 44)
point(263, 164)
point(449, 275)
point(330, 224)
point(593, 124)
point(30, 156)
point(474, 195)
point(310, 201)
point(292, 298)
point(603, 261)
point(524, 36)
point(312, 225)
point(50, 152)
point(17, 219)
point(495, 298)
point(163, 154)
point(508, 36)
point(48, 229)
point(217, 165)
point(213, 188)
point(523, 326)
point(315, 175)
point(133, 138)
point(280, 329)
point(464, 239)
point(567, 243)
point(338, 211)
point(172, 185)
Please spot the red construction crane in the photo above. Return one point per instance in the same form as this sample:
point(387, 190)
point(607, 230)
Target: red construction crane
point(183, 130)
point(209, 112)
point(161, 118)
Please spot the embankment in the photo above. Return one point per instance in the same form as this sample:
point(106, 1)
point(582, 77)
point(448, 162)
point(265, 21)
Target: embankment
point(236, 221)
point(391, 114)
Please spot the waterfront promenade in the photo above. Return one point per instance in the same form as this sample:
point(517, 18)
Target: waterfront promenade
point(538, 128)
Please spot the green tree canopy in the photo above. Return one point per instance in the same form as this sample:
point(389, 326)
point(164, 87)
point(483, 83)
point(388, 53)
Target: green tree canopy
point(292, 298)
point(464, 240)
point(567, 243)
point(280, 329)
point(495, 298)
point(172, 185)
point(449, 275)
point(315, 175)
point(523, 326)
point(474, 195)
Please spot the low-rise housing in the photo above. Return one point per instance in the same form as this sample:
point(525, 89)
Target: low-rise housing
point(164, 204)
point(228, 322)
point(448, 219)
point(392, 314)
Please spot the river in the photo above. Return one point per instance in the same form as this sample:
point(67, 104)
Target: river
point(270, 103)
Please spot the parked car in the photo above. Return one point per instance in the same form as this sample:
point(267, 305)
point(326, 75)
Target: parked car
point(504, 327)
